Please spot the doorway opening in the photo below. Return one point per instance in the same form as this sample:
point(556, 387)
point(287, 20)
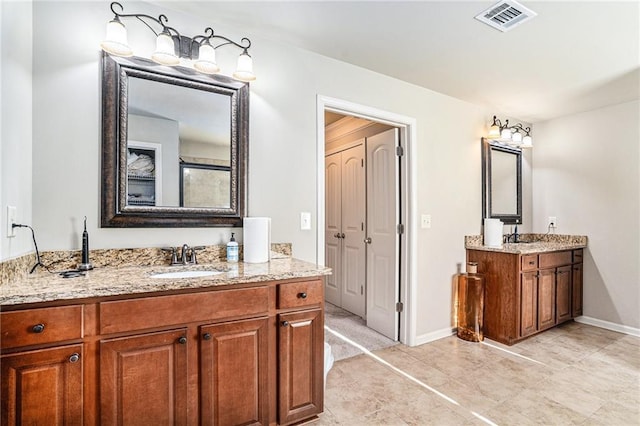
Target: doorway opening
point(366, 214)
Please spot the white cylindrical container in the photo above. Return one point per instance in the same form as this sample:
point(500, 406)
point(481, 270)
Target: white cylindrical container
point(493, 232)
point(257, 239)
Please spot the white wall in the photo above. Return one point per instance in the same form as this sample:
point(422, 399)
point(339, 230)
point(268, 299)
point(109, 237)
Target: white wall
point(282, 164)
point(587, 175)
point(16, 124)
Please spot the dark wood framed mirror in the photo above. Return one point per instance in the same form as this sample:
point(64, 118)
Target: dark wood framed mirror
point(501, 182)
point(154, 120)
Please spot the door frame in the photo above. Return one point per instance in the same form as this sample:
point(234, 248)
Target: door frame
point(408, 203)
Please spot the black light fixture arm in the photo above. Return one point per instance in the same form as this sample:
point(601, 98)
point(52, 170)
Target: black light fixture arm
point(162, 20)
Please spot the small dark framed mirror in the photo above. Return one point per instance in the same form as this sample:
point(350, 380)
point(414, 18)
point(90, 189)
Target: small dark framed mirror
point(161, 123)
point(501, 182)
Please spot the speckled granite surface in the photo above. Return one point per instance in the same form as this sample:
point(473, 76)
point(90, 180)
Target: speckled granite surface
point(18, 269)
point(43, 286)
point(530, 243)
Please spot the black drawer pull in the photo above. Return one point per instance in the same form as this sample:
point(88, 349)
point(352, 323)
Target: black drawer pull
point(74, 358)
point(206, 336)
point(532, 262)
point(285, 323)
point(182, 340)
point(38, 328)
point(302, 295)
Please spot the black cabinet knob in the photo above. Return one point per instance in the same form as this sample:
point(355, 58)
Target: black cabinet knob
point(206, 336)
point(182, 340)
point(302, 295)
point(74, 357)
point(285, 323)
point(38, 328)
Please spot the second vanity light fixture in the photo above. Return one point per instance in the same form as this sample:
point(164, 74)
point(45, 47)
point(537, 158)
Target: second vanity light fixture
point(515, 134)
point(171, 46)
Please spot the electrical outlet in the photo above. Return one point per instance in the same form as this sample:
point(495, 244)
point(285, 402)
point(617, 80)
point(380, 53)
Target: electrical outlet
point(305, 221)
point(426, 221)
point(11, 219)
point(552, 223)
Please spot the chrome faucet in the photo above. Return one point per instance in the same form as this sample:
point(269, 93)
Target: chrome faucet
point(187, 255)
point(183, 255)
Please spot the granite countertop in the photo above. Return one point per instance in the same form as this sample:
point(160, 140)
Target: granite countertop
point(43, 286)
point(530, 243)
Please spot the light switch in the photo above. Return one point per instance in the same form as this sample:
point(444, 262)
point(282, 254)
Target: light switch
point(426, 221)
point(305, 221)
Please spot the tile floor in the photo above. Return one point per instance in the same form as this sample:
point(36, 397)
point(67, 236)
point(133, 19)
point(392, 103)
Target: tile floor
point(574, 374)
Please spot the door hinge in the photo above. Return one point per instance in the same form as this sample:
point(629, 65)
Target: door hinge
point(362, 162)
point(399, 151)
point(362, 226)
point(361, 289)
point(399, 307)
point(400, 228)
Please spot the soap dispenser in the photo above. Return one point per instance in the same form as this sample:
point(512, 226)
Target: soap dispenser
point(232, 249)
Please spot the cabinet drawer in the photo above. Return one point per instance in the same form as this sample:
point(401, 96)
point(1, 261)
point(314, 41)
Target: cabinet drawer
point(293, 295)
point(577, 256)
point(40, 326)
point(160, 311)
point(529, 262)
point(551, 260)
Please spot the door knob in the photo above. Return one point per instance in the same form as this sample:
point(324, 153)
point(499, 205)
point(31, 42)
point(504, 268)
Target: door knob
point(74, 358)
point(182, 340)
point(337, 235)
point(342, 235)
point(367, 240)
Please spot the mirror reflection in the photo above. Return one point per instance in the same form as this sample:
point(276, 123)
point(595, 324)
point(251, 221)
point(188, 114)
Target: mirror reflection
point(501, 182)
point(163, 136)
point(504, 183)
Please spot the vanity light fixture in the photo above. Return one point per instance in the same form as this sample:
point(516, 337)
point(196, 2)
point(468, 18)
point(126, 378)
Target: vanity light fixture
point(171, 46)
point(516, 135)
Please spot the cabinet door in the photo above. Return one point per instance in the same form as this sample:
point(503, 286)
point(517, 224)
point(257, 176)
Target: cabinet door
point(546, 298)
point(301, 365)
point(528, 303)
point(563, 294)
point(42, 387)
point(576, 283)
point(233, 373)
point(143, 379)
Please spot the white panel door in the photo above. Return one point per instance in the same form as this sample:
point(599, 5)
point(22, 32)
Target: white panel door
point(333, 227)
point(382, 219)
point(353, 218)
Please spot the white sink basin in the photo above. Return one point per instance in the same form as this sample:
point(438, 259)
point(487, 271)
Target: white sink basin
point(186, 274)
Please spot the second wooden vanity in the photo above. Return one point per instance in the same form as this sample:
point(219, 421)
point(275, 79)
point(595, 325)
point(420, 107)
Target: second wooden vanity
point(245, 353)
point(528, 291)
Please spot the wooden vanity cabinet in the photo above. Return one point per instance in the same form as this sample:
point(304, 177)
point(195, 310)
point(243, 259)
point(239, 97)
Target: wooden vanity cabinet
point(250, 354)
point(529, 293)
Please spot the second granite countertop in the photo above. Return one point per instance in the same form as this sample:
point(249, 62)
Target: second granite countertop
point(531, 243)
point(116, 281)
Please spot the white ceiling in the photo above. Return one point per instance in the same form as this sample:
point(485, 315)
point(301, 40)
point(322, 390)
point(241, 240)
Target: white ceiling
point(574, 56)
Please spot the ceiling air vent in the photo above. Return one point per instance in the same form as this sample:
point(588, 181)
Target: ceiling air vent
point(506, 15)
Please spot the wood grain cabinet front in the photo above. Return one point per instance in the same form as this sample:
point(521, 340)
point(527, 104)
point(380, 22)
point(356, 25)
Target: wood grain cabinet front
point(143, 379)
point(43, 387)
point(529, 293)
point(233, 373)
point(300, 352)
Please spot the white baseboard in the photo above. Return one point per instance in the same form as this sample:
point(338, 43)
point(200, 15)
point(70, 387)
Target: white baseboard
point(434, 335)
point(609, 325)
